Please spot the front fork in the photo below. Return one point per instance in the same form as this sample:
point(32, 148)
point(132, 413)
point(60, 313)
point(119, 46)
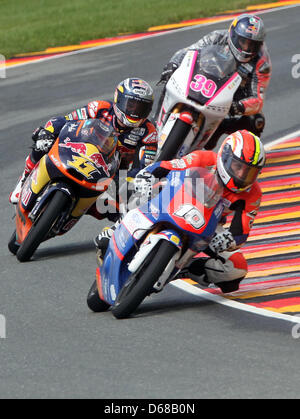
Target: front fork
point(178, 266)
point(192, 120)
point(150, 242)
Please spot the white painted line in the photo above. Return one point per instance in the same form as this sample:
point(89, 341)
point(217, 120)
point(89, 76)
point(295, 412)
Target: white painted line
point(191, 289)
point(282, 139)
point(67, 54)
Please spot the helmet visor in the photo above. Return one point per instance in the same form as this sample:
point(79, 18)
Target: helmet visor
point(134, 108)
point(242, 173)
point(245, 45)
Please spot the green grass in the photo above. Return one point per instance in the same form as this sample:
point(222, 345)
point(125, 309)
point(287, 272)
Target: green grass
point(34, 25)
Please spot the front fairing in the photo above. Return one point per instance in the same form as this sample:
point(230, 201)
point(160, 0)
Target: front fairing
point(200, 77)
point(122, 248)
point(196, 87)
point(84, 157)
point(114, 272)
point(214, 65)
point(189, 203)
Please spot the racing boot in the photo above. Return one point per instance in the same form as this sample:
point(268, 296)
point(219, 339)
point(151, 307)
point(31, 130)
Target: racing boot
point(102, 241)
point(15, 194)
point(196, 272)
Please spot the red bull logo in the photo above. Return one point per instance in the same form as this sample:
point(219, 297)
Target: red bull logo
point(81, 148)
point(75, 147)
point(99, 161)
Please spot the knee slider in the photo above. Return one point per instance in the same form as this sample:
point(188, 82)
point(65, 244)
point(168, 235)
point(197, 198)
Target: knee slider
point(229, 267)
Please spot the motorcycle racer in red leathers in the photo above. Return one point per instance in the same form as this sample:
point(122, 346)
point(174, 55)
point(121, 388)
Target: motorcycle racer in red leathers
point(245, 39)
point(237, 164)
point(127, 113)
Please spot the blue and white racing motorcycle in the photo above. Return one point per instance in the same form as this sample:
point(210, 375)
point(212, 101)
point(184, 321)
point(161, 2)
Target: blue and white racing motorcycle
point(156, 240)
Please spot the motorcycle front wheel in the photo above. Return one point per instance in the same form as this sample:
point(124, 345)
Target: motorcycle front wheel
point(174, 141)
point(43, 226)
point(140, 284)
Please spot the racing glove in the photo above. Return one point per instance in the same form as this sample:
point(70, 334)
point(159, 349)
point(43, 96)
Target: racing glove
point(222, 242)
point(35, 134)
point(167, 72)
point(143, 183)
point(44, 139)
point(237, 108)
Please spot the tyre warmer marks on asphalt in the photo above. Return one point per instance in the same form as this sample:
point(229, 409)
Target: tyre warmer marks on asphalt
point(273, 247)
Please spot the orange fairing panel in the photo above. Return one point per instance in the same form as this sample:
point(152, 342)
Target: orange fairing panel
point(37, 180)
point(23, 224)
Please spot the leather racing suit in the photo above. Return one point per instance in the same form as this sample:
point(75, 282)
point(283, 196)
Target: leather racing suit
point(227, 268)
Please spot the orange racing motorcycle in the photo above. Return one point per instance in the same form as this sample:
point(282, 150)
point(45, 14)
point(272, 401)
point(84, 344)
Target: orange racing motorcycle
point(64, 185)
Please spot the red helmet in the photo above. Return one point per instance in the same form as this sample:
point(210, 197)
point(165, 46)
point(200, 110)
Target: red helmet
point(240, 160)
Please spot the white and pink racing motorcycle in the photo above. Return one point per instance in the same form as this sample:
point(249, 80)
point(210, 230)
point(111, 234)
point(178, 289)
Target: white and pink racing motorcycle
point(197, 98)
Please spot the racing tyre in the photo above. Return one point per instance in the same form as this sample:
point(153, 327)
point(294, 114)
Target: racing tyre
point(174, 140)
point(43, 226)
point(94, 302)
point(13, 246)
point(140, 284)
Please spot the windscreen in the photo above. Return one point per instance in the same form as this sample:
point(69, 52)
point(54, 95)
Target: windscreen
point(97, 133)
point(203, 185)
point(217, 61)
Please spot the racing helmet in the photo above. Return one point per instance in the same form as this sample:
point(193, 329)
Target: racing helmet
point(246, 36)
point(240, 160)
point(133, 101)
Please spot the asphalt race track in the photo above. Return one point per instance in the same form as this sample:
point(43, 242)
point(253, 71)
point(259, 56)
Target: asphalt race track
point(177, 345)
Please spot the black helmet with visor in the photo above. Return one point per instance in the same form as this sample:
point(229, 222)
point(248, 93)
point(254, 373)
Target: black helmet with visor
point(133, 102)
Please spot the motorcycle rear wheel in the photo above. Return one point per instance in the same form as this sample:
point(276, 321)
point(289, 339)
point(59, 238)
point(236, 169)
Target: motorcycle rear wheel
point(140, 284)
point(40, 230)
point(174, 141)
point(94, 302)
